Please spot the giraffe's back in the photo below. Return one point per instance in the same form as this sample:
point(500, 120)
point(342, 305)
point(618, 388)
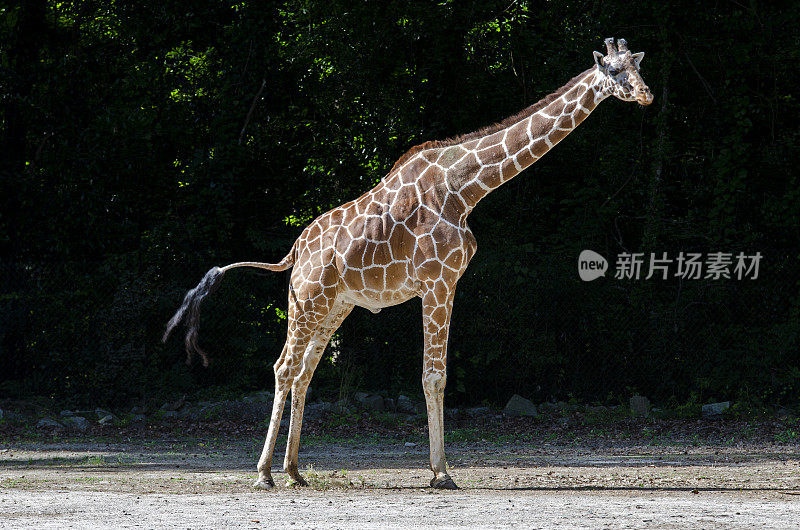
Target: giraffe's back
point(375, 247)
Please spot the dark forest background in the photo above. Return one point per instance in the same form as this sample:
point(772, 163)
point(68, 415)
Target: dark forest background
point(125, 174)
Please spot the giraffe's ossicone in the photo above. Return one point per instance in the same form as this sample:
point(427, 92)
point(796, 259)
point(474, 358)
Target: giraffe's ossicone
point(408, 237)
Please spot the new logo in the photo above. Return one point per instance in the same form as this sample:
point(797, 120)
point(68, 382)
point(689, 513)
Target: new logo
point(591, 265)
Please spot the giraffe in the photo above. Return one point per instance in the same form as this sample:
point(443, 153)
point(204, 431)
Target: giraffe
point(408, 237)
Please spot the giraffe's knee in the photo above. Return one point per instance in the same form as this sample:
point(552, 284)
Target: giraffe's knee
point(434, 382)
point(279, 368)
point(286, 373)
point(313, 354)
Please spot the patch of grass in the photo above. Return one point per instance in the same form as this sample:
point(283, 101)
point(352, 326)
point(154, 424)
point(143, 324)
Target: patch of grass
point(745, 407)
point(93, 461)
point(321, 439)
point(12, 482)
point(653, 437)
point(464, 435)
point(748, 432)
point(342, 419)
point(472, 435)
point(387, 419)
point(87, 479)
point(98, 460)
point(550, 437)
point(789, 435)
point(325, 481)
point(690, 409)
point(509, 438)
point(599, 432)
point(604, 415)
point(355, 439)
point(368, 439)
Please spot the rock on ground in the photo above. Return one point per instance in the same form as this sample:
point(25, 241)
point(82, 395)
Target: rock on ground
point(47, 423)
point(404, 404)
point(640, 406)
point(372, 402)
point(715, 409)
point(519, 406)
point(77, 423)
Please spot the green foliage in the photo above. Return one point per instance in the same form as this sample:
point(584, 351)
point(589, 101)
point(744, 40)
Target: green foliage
point(131, 163)
point(690, 409)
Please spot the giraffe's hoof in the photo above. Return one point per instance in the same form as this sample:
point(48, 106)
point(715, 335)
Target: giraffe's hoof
point(264, 484)
point(296, 481)
point(444, 483)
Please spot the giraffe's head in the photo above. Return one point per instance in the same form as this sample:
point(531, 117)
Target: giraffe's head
point(620, 70)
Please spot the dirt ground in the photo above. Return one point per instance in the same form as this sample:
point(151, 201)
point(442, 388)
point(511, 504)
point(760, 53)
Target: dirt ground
point(196, 483)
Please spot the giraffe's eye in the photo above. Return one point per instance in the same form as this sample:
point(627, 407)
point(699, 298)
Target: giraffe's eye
point(613, 71)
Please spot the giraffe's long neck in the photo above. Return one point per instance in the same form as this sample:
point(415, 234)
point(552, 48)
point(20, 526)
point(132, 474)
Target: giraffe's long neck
point(493, 160)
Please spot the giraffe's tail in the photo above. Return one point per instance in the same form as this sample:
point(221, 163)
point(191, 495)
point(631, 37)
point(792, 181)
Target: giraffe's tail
point(189, 312)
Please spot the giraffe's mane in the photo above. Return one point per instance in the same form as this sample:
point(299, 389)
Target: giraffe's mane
point(491, 129)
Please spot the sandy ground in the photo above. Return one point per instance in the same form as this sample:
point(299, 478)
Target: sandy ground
point(206, 484)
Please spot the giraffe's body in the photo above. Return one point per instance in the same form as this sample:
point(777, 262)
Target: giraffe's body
point(408, 237)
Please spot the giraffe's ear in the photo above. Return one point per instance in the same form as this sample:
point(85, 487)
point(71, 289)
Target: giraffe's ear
point(598, 60)
point(637, 58)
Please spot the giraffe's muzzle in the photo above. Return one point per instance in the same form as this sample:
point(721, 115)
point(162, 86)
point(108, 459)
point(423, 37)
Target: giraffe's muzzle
point(643, 96)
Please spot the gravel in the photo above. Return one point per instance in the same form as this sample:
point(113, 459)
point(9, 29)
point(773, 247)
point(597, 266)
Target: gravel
point(196, 483)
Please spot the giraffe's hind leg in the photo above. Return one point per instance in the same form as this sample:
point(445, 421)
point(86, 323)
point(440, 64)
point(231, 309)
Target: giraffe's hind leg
point(265, 462)
point(307, 309)
point(311, 358)
point(310, 303)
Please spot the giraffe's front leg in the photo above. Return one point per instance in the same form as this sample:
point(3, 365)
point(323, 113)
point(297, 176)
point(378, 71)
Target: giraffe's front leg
point(436, 308)
point(433, 386)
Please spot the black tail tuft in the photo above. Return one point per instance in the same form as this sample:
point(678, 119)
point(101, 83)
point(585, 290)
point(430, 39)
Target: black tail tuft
point(190, 311)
